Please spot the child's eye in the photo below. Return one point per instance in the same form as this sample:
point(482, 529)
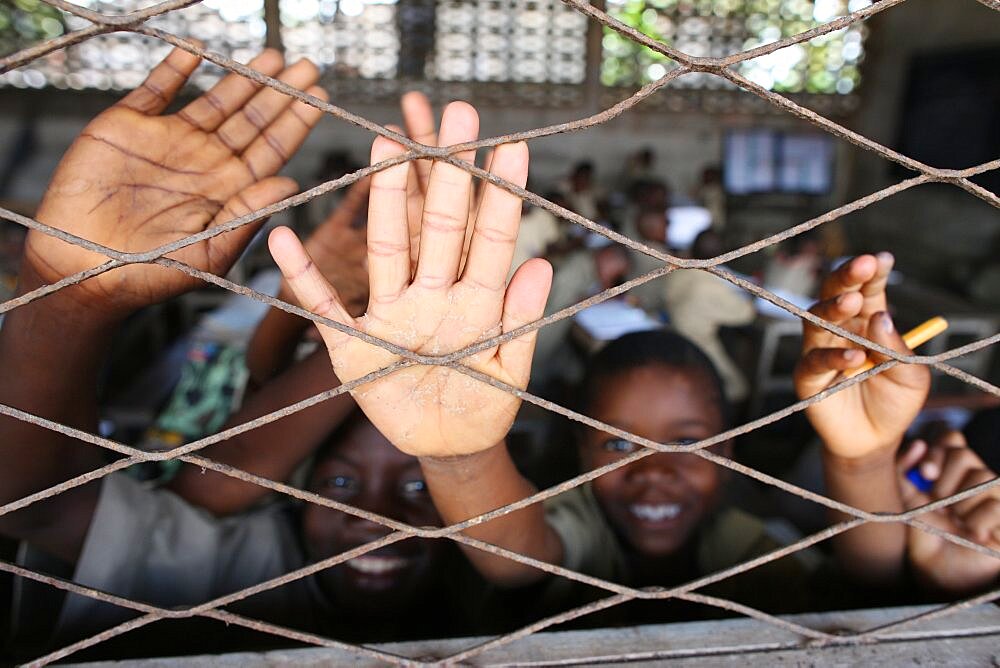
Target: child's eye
point(686, 441)
point(414, 487)
point(620, 446)
point(341, 483)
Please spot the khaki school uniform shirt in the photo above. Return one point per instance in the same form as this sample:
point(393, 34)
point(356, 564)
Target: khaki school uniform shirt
point(148, 545)
point(730, 537)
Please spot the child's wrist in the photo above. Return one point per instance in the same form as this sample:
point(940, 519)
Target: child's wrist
point(71, 305)
point(465, 466)
point(876, 459)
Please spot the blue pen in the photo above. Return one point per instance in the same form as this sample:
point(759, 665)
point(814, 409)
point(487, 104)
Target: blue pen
point(918, 480)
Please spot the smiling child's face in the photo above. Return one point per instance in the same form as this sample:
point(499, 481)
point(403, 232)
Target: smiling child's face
point(655, 503)
point(364, 470)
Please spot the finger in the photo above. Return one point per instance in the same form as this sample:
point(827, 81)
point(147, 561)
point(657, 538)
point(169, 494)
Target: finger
point(475, 202)
point(418, 117)
point(279, 141)
point(983, 522)
point(882, 331)
point(873, 289)
point(921, 545)
point(311, 289)
point(837, 310)
point(446, 207)
point(958, 464)
point(388, 234)
point(241, 128)
point(414, 206)
point(225, 98)
point(492, 247)
point(933, 462)
point(158, 90)
point(950, 438)
point(974, 478)
point(227, 247)
point(849, 277)
point(524, 303)
point(821, 366)
point(910, 455)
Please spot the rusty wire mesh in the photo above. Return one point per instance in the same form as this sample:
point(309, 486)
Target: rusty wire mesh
point(135, 22)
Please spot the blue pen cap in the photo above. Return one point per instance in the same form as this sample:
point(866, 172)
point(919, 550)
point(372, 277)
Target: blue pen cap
point(918, 480)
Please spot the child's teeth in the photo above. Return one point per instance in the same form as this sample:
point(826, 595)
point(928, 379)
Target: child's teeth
point(376, 565)
point(657, 512)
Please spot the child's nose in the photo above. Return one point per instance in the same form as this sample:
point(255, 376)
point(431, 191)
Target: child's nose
point(379, 502)
point(658, 466)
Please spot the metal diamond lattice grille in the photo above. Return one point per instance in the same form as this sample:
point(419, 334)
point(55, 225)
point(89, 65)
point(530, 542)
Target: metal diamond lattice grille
point(154, 22)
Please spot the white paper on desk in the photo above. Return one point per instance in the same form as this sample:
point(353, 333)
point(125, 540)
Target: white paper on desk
point(609, 320)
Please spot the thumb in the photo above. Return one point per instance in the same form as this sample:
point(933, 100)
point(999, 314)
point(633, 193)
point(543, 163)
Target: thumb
point(307, 282)
point(524, 303)
point(923, 546)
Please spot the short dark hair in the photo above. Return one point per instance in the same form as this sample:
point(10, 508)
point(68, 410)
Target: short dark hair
point(658, 347)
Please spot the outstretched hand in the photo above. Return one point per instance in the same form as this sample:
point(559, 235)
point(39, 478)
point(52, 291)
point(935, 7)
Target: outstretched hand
point(871, 417)
point(135, 179)
point(426, 301)
point(949, 466)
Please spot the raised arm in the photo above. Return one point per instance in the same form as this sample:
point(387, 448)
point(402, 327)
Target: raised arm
point(429, 303)
point(275, 450)
point(133, 180)
point(862, 427)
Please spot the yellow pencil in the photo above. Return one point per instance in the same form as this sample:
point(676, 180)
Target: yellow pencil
point(917, 336)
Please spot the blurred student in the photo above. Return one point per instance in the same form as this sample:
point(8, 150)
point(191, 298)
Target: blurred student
point(580, 191)
point(581, 274)
point(699, 304)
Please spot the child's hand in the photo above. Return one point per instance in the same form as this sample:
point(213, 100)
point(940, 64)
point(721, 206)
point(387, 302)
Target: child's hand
point(869, 418)
point(429, 306)
point(949, 466)
point(134, 180)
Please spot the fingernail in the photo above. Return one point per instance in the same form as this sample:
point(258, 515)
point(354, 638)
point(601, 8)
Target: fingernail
point(851, 355)
point(887, 325)
point(886, 256)
point(929, 470)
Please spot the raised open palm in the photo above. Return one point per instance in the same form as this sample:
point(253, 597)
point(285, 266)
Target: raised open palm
point(872, 416)
point(432, 307)
point(135, 180)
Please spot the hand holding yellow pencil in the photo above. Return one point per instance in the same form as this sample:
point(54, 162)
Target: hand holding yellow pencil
point(917, 336)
